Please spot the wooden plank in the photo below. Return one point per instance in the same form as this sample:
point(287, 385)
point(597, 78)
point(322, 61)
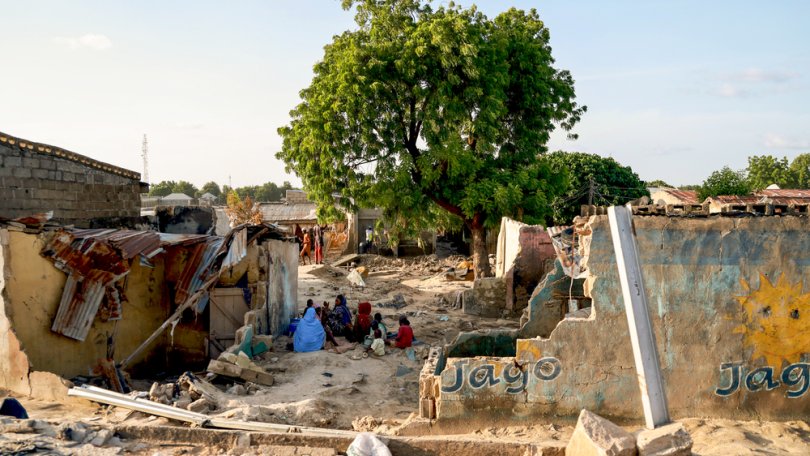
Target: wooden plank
point(255, 376)
point(653, 398)
point(346, 259)
point(223, 368)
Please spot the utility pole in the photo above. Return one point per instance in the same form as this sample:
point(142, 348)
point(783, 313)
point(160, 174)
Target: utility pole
point(591, 190)
point(145, 156)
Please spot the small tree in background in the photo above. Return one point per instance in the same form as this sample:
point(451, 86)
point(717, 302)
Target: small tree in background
point(241, 211)
point(725, 182)
point(162, 188)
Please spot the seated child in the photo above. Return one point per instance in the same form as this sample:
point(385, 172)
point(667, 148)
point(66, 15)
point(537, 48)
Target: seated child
point(383, 328)
point(378, 346)
point(369, 339)
point(404, 337)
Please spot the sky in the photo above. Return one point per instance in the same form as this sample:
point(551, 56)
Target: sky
point(675, 90)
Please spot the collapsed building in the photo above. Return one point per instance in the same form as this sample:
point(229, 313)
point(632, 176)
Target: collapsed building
point(729, 309)
point(81, 302)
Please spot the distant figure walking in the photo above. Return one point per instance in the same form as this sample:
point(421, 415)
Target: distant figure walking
point(318, 238)
point(305, 249)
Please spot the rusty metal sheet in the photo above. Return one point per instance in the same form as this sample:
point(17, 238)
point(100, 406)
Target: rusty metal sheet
point(78, 307)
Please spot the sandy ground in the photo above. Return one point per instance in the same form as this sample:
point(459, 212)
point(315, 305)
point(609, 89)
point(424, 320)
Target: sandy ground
point(346, 391)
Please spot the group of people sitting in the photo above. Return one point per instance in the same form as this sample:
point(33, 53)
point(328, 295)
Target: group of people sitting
point(320, 325)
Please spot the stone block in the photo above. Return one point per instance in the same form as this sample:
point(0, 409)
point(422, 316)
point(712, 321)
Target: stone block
point(669, 440)
point(596, 436)
point(29, 162)
point(22, 173)
point(39, 173)
point(201, 405)
point(12, 162)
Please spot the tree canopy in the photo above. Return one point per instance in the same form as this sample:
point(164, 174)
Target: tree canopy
point(591, 179)
point(421, 107)
point(764, 170)
point(725, 182)
point(657, 183)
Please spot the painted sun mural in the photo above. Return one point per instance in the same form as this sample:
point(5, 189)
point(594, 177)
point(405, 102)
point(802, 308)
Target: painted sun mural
point(777, 320)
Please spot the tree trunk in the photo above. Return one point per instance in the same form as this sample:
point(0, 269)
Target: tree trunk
point(479, 248)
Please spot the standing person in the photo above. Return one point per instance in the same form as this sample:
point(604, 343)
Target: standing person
point(318, 238)
point(305, 249)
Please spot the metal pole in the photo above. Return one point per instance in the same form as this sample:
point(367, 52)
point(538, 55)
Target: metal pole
point(653, 398)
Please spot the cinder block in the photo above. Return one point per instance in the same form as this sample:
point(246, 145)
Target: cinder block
point(22, 173)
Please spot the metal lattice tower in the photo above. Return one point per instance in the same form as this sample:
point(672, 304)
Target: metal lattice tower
point(145, 156)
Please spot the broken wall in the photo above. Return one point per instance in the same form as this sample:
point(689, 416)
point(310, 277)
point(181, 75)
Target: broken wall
point(730, 312)
point(30, 293)
point(523, 256)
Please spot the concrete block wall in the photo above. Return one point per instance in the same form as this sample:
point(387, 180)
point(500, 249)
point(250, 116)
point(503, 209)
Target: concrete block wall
point(729, 301)
point(38, 178)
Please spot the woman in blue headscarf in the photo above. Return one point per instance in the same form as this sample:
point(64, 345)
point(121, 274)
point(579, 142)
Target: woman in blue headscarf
point(309, 336)
point(340, 319)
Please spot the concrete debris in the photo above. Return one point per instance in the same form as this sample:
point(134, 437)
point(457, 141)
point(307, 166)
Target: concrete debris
point(201, 405)
point(76, 432)
point(397, 302)
point(162, 393)
point(669, 440)
point(596, 436)
point(101, 437)
point(237, 390)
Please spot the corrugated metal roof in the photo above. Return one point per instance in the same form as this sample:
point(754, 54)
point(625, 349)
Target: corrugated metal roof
point(785, 193)
point(735, 199)
point(284, 212)
point(687, 196)
point(95, 259)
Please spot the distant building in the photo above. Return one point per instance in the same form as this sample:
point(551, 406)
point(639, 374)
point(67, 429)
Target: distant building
point(663, 196)
point(39, 178)
point(176, 199)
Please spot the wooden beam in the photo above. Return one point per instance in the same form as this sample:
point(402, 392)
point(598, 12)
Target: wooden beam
point(642, 338)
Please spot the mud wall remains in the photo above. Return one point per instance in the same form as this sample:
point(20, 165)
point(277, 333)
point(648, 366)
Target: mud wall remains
point(523, 255)
point(30, 292)
point(731, 315)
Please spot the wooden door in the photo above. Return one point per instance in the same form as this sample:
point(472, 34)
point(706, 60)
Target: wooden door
point(228, 308)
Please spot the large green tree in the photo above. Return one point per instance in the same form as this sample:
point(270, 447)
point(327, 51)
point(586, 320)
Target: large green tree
point(800, 169)
point(764, 170)
point(725, 182)
point(429, 107)
point(592, 179)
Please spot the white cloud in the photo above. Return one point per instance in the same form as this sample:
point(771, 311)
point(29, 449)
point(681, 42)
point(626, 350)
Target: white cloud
point(760, 75)
point(775, 141)
point(729, 91)
point(89, 41)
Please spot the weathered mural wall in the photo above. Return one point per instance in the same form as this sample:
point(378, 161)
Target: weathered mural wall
point(730, 303)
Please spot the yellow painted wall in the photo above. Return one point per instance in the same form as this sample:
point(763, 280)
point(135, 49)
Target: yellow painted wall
point(33, 291)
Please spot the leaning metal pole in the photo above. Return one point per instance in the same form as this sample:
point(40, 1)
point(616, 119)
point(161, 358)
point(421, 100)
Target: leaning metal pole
point(648, 370)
